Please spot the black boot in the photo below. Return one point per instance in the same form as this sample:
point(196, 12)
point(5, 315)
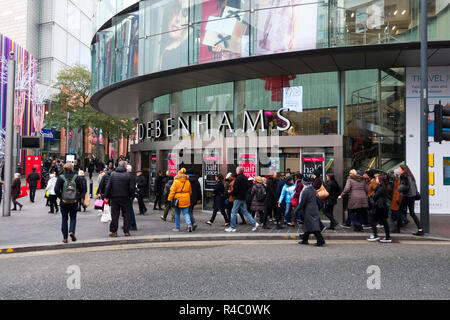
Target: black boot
point(320, 240)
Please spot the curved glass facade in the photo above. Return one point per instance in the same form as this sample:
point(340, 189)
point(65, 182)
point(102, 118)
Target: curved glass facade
point(168, 34)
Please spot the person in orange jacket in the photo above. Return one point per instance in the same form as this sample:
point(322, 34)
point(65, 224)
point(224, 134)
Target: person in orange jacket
point(181, 189)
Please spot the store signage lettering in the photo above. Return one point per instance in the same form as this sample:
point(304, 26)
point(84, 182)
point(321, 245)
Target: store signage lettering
point(184, 125)
point(211, 169)
point(248, 162)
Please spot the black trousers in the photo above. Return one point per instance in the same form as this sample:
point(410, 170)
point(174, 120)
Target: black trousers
point(317, 234)
point(375, 217)
point(409, 203)
point(53, 203)
point(328, 212)
point(224, 214)
point(118, 206)
point(272, 210)
point(142, 207)
point(158, 201)
point(32, 193)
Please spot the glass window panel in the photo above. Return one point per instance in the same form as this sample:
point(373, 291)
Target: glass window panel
point(320, 100)
point(287, 25)
point(73, 20)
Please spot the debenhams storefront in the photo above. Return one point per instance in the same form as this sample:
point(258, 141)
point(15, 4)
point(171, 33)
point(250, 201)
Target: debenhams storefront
point(271, 85)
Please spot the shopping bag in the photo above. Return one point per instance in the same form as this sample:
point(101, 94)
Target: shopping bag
point(87, 200)
point(106, 216)
point(23, 192)
point(95, 192)
point(99, 204)
point(47, 194)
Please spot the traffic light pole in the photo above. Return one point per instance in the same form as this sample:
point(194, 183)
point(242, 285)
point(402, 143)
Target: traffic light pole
point(424, 144)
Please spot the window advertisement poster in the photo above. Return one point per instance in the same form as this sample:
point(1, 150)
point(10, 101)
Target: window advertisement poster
point(293, 99)
point(173, 164)
point(224, 30)
point(285, 25)
point(446, 171)
point(211, 169)
point(274, 164)
point(249, 162)
point(312, 162)
point(438, 92)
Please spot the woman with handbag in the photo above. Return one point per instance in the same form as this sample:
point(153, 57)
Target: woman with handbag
point(180, 198)
point(52, 194)
point(408, 190)
point(380, 210)
point(219, 202)
point(330, 202)
point(15, 192)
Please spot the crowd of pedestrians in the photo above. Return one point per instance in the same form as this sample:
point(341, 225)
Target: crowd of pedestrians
point(266, 202)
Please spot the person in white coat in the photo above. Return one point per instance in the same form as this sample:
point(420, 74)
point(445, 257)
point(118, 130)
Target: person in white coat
point(52, 195)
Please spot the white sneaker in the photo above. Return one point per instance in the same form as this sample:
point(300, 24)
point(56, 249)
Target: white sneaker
point(379, 226)
point(373, 238)
point(230, 230)
point(384, 240)
point(256, 227)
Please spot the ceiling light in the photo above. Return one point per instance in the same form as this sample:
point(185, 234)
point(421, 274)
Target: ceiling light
point(393, 28)
point(395, 12)
point(353, 15)
point(403, 12)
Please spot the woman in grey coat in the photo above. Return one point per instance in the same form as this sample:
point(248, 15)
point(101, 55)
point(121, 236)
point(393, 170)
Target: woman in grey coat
point(358, 203)
point(309, 206)
point(257, 206)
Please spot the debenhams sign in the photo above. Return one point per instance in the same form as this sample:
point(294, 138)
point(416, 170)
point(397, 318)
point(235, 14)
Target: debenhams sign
point(156, 129)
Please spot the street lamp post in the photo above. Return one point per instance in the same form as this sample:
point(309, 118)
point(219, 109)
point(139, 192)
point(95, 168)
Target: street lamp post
point(9, 139)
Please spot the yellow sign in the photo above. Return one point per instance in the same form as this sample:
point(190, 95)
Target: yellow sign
point(431, 160)
point(431, 178)
point(431, 192)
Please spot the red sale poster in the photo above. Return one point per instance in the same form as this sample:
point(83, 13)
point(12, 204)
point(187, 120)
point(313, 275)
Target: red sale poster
point(33, 162)
point(249, 161)
point(173, 164)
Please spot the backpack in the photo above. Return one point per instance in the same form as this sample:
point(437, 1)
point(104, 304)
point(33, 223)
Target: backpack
point(261, 194)
point(69, 192)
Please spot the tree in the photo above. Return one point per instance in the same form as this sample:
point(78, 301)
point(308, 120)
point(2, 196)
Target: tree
point(74, 90)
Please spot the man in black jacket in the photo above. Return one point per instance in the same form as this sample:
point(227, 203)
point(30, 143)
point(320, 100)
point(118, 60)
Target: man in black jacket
point(32, 180)
point(141, 186)
point(68, 209)
point(271, 200)
point(240, 196)
point(120, 190)
point(196, 196)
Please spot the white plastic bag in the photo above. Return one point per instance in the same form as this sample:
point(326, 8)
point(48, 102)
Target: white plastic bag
point(106, 216)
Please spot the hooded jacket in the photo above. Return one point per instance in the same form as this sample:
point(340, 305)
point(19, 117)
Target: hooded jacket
point(356, 189)
point(181, 189)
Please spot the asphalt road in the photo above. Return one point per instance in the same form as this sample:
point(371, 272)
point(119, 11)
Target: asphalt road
point(230, 270)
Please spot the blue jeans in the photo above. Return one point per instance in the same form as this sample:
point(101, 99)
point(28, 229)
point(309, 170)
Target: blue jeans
point(68, 210)
point(132, 216)
point(240, 204)
point(32, 193)
point(357, 216)
point(287, 213)
point(185, 212)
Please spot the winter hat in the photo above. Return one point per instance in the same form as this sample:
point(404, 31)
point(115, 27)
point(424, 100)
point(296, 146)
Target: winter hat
point(229, 175)
point(182, 171)
point(81, 173)
point(259, 180)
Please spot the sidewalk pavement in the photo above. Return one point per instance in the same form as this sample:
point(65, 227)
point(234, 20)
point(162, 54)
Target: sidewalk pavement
point(33, 229)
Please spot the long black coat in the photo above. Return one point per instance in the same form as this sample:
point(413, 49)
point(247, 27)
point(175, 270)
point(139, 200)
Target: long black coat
point(15, 188)
point(219, 198)
point(310, 209)
point(334, 190)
